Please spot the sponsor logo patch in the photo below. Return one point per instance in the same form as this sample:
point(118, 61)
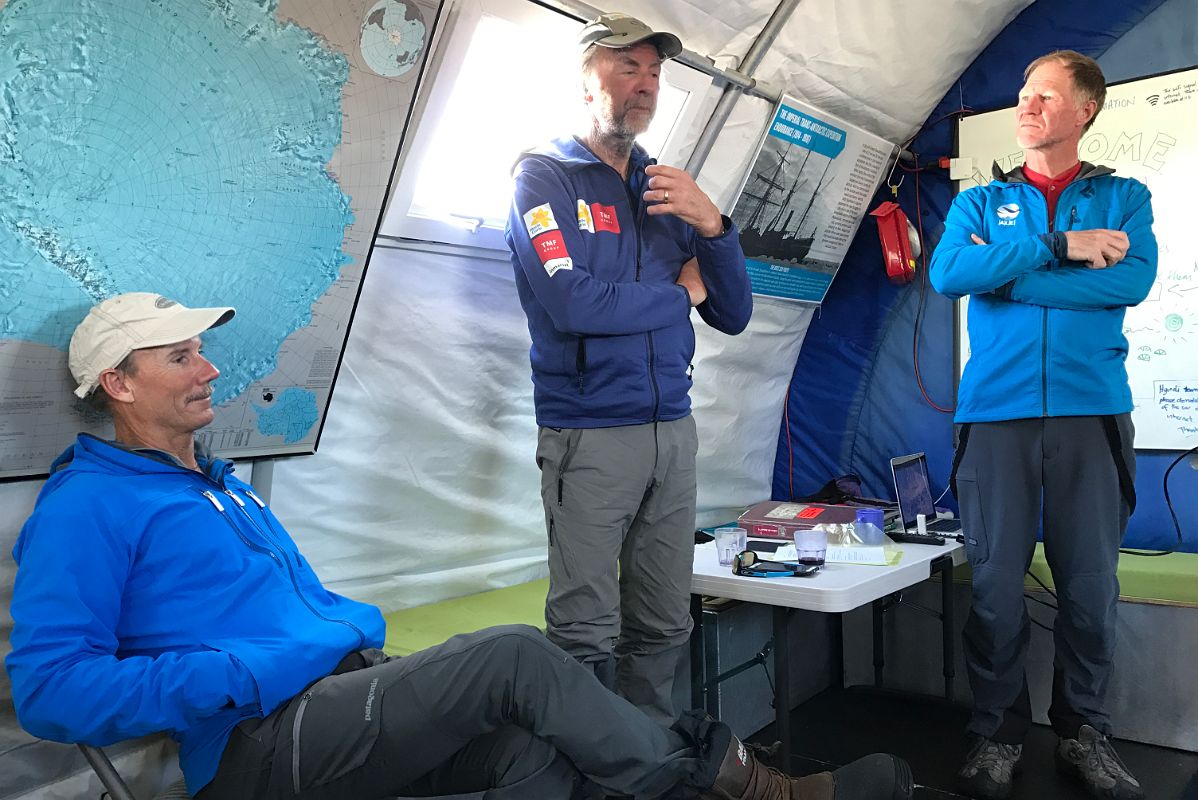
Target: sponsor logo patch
point(1008, 213)
point(554, 264)
point(605, 218)
point(585, 221)
point(550, 245)
point(539, 219)
point(552, 252)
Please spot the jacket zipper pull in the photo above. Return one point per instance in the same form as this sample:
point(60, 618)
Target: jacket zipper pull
point(212, 499)
point(236, 499)
point(254, 497)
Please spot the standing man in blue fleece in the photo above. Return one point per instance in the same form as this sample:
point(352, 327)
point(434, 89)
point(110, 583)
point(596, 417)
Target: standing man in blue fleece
point(611, 251)
point(1050, 255)
point(156, 591)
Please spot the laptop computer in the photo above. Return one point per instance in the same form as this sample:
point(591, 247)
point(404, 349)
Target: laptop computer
point(914, 495)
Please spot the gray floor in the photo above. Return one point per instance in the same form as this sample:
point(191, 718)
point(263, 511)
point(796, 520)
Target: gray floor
point(838, 726)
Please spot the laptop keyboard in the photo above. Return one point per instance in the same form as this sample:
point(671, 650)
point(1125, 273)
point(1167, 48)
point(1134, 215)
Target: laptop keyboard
point(944, 526)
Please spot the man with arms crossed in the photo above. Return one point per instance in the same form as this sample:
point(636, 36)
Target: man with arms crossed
point(1050, 255)
point(611, 251)
point(156, 591)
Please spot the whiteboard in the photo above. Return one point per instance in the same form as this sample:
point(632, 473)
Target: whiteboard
point(1148, 130)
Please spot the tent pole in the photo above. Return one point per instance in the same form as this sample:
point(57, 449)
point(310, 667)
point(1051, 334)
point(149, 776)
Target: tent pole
point(733, 92)
point(584, 11)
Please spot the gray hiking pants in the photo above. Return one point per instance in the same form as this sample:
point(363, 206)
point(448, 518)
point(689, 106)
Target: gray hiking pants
point(501, 711)
point(1012, 475)
point(620, 513)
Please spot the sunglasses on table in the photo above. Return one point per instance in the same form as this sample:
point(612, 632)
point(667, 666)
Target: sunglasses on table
point(749, 565)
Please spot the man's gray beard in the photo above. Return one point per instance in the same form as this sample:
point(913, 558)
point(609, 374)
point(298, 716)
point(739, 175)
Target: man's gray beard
point(617, 132)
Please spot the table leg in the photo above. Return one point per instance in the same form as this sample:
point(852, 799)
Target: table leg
point(836, 656)
point(782, 683)
point(879, 609)
point(698, 654)
point(944, 566)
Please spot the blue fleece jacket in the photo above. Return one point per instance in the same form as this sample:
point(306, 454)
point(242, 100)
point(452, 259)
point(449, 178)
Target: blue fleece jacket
point(612, 340)
point(1045, 334)
point(151, 597)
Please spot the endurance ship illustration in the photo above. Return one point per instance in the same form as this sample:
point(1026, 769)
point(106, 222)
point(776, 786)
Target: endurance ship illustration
point(771, 221)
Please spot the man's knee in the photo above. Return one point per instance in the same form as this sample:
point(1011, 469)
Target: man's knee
point(512, 754)
point(523, 641)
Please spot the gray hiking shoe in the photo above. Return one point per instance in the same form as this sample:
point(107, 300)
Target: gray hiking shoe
point(1092, 760)
point(989, 769)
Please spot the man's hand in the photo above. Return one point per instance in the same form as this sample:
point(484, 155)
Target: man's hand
point(1099, 248)
point(690, 279)
point(672, 191)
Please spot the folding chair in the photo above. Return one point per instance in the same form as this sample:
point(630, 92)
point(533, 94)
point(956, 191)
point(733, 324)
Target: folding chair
point(115, 785)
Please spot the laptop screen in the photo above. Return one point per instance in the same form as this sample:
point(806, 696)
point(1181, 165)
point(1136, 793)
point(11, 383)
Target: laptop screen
point(911, 487)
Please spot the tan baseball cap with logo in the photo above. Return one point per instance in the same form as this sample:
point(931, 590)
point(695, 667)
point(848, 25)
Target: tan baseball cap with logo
point(620, 30)
point(119, 325)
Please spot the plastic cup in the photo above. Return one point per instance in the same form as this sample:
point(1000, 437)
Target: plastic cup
point(730, 542)
point(812, 545)
point(869, 526)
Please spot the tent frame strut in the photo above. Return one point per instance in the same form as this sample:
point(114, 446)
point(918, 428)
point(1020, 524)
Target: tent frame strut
point(736, 82)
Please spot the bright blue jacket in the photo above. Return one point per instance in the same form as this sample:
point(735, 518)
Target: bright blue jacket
point(150, 597)
point(612, 340)
point(1045, 334)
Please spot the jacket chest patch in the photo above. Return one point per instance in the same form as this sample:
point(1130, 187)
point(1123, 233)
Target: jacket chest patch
point(1007, 214)
point(595, 217)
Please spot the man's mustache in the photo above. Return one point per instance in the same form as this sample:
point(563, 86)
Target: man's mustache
point(204, 395)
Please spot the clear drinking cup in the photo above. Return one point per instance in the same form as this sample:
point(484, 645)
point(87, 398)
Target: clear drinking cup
point(729, 542)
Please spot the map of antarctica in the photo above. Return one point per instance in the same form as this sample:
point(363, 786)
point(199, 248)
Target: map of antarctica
point(217, 152)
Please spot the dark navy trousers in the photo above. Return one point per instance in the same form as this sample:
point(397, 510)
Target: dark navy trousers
point(1012, 476)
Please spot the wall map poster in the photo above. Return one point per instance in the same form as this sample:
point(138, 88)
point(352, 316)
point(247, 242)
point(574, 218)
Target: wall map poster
point(1147, 130)
point(217, 152)
point(803, 198)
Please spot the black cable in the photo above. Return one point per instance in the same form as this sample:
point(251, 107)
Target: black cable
point(1034, 599)
point(1027, 596)
point(1043, 585)
point(1168, 504)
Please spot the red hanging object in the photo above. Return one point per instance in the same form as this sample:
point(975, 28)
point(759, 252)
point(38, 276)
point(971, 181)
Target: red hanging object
point(893, 229)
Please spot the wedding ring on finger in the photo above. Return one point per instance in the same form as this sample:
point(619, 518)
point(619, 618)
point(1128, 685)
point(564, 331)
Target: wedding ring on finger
point(666, 199)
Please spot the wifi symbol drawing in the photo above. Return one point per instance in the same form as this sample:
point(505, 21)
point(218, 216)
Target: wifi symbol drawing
point(1153, 99)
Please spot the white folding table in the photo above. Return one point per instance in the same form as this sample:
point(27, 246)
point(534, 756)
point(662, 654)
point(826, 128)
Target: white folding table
point(837, 588)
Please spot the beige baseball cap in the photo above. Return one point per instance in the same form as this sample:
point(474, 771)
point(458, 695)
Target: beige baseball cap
point(119, 325)
point(621, 30)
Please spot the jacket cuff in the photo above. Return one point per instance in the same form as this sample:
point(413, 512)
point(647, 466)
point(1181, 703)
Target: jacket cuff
point(1057, 243)
point(728, 227)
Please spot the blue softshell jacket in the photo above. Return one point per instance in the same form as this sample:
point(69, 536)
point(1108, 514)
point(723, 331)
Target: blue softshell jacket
point(1045, 334)
point(151, 597)
point(612, 341)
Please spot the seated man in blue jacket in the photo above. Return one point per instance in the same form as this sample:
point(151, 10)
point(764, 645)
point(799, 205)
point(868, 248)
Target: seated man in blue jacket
point(156, 591)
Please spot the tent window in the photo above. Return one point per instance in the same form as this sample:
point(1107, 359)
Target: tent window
point(505, 79)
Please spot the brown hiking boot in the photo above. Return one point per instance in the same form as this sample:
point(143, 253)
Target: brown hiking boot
point(876, 777)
